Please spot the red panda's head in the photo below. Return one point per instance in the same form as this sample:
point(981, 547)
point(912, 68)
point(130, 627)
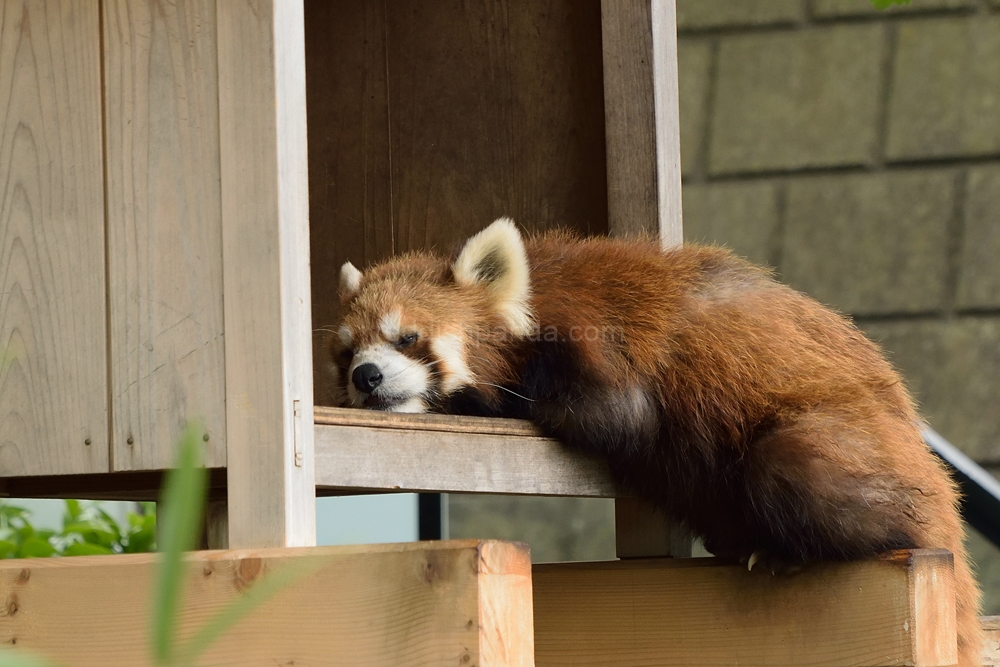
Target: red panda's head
point(417, 328)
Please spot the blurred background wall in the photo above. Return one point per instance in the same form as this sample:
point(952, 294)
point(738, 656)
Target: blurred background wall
point(858, 153)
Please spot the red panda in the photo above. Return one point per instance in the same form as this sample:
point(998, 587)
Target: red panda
point(765, 422)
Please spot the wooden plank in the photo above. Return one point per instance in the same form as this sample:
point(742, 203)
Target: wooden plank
point(642, 118)
point(703, 611)
point(265, 246)
point(441, 603)
point(642, 531)
point(991, 645)
point(164, 229)
point(365, 456)
point(430, 119)
point(53, 373)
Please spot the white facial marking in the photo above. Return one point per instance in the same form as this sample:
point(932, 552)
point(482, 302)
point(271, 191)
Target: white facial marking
point(345, 335)
point(402, 378)
point(390, 325)
point(455, 373)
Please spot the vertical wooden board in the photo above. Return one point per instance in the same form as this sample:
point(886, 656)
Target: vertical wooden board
point(164, 229)
point(382, 605)
point(349, 192)
point(265, 249)
point(644, 531)
point(642, 118)
point(53, 374)
point(496, 109)
point(429, 119)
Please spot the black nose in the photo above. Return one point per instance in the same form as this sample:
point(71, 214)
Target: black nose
point(366, 377)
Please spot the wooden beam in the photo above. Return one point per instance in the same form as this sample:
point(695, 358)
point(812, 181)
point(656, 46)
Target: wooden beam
point(991, 645)
point(896, 611)
point(356, 449)
point(642, 119)
point(265, 249)
point(432, 603)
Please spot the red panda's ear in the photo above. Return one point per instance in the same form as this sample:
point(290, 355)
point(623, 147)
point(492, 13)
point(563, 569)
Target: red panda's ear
point(350, 282)
point(494, 259)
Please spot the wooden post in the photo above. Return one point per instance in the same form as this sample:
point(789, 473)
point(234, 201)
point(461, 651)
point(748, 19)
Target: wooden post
point(265, 249)
point(642, 121)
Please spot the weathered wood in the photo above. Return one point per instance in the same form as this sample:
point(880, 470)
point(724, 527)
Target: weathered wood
point(991, 645)
point(441, 603)
point(642, 118)
point(53, 372)
point(265, 247)
point(642, 531)
point(451, 454)
point(704, 611)
point(164, 229)
point(430, 119)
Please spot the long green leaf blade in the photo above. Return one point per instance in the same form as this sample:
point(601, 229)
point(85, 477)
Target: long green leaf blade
point(182, 506)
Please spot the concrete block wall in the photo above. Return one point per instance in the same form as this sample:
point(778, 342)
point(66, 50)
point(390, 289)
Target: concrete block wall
point(858, 153)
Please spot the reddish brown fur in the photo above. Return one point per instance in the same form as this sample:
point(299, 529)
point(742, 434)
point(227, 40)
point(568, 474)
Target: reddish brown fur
point(751, 412)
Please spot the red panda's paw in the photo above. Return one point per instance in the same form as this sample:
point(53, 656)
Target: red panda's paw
point(768, 562)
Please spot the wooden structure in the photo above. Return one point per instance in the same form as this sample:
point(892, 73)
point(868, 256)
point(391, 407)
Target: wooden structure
point(160, 200)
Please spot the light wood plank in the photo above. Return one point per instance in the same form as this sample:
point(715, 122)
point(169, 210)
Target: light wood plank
point(642, 118)
point(265, 241)
point(164, 229)
point(991, 645)
point(396, 458)
point(702, 611)
point(53, 345)
point(442, 603)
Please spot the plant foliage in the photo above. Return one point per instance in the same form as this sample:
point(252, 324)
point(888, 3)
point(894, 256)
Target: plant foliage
point(87, 530)
point(885, 4)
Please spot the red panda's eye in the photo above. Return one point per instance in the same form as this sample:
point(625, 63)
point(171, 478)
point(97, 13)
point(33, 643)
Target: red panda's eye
point(407, 340)
point(347, 354)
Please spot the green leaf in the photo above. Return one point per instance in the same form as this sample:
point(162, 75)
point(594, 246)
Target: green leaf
point(19, 658)
point(84, 549)
point(183, 503)
point(885, 4)
point(34, 547)
point(73, 511)
point(8, 549)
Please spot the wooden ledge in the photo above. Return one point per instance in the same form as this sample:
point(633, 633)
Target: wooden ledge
point(705, 611)
point(464, 602)
point(379, 452)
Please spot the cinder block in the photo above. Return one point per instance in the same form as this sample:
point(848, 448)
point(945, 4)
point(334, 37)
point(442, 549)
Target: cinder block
point(788, 100)
point(979, 269)
point(694, 60)
point(953, 369)
point(869, 244)
point(946, 89)
point(702, 14)
point(833, 8)
point(740, 216)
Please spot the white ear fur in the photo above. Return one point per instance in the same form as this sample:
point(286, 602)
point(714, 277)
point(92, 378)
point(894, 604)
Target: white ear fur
point(495, 259)
point(350, 282)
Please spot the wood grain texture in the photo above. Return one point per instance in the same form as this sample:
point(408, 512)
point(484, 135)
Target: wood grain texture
point(265, 248)
point(442, 603)
point(435, 457)
point(642, 118)
point(164, 229)
point(991, 645)
point(53, 349)
point(430, 119)
point(703, 611)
